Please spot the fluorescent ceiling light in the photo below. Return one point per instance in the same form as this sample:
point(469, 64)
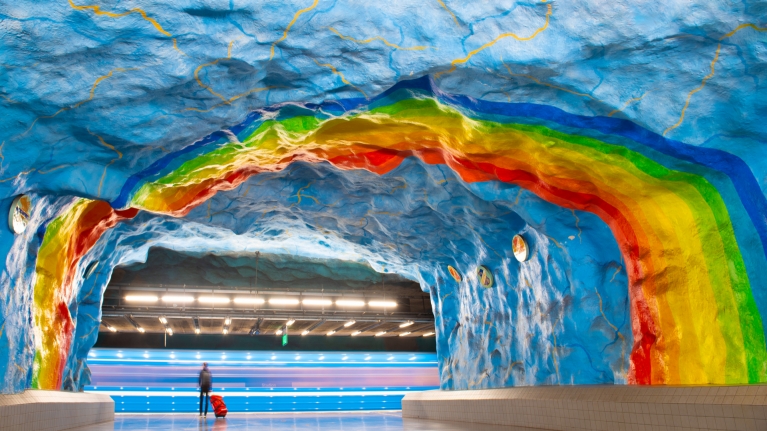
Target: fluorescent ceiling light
point(406, 324)
point(178, 298)
point(163, 320)
point(404, 333)
point(355, 333)
point(225, 331)
point(305, 332)
point(350, 303)
point(283, 301)
point(380, 333)
point(278, 332)
point(245, 300)
point(317, 302)
point(140, 329)
point(331, 332)
point(290, 322)
point(428, 334)
point(112, 328)
point(196, 330)
point(349, 323)
point(170, 331)
point(141, 298)
point(382, 304)
point(213, 299)
point(227, 321)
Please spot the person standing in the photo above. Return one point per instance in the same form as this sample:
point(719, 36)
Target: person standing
point(205, 381)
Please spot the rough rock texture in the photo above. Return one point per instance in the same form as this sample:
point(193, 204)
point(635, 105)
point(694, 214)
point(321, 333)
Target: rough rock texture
point(273, 271)
point(225, 128)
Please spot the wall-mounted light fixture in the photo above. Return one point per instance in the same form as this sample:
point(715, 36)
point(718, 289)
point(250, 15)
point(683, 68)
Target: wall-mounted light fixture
point(90, 269)
point(20, 214)
point(355, 333)
point(406, 324)
point(290, 322)
point(331, 333)
point(349, 323)
point(163, 320)
point(404, 333)
point(428, 334)
point(380, 333)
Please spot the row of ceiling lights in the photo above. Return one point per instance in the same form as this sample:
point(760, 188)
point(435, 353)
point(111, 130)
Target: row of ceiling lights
point(247, 300)
point(290, 322)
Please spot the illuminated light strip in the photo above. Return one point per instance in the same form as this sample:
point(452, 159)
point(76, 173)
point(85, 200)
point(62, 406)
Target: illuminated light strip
point(248, 301)
point(254, 394)
point(213, 300)
point(391, 304)
point(178, 298)
point(141, 298)
point(283, 301)
point(350, 303)
point(317, 302)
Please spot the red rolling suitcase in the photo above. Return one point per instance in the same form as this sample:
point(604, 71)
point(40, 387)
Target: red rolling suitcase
point(219, 408)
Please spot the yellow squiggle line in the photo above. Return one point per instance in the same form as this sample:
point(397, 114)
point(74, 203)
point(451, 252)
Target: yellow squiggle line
point(373, 39)
point(697, 89)
point(537, 81)
point(713, 71)
point(111, 147)
point(293, 21)
point(626, 105)
point(494, 41)
point(741, 27)
point(213, 63)
point(7, 99)
point(233, 98)
point(615, 328)
point(442, 3)
point(1, 151)
point(97, 10)
point(78, 104)
point(343, 78)
point(175, 46)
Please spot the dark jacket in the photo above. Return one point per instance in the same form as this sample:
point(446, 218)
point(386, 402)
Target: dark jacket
point(206, 380)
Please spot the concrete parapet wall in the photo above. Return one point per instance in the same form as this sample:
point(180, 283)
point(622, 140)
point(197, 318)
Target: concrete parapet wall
point(53, 410)
point(598, 407)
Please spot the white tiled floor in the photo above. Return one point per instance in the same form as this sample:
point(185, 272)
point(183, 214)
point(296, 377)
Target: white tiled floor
point(354, 421)
point(599, 407)
point(53, 410)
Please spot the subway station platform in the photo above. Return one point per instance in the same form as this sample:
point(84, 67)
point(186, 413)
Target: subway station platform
point(356, 421)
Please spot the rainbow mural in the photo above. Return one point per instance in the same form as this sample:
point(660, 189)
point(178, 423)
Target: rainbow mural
point(689, 221)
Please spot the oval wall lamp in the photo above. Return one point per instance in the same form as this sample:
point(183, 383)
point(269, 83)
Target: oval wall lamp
point(21, 210)
point(454, 273)
point(520, 248)
point(90, 269)
point(485, 277)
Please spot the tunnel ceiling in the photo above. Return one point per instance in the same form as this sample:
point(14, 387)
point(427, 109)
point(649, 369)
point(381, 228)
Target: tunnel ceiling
point(221, 290)
point(623, 142)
